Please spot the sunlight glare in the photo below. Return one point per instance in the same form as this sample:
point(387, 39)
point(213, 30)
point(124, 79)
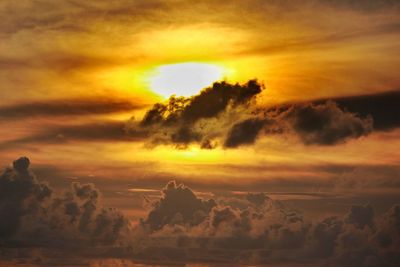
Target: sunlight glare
point(184, 79)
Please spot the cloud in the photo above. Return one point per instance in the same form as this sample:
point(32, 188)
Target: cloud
point(104, 131)
point(208, 104)
point(66, 107)
point(224, 114)
point(361, 216)
point(183, 227)
point(244, 132)
point(182, 121)
point(32, 214)
point(267, 232)
point(229, 115)
point(324, 124)
point(178, 204)
point(382, 107)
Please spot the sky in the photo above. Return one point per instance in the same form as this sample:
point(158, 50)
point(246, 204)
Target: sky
point(264, 112)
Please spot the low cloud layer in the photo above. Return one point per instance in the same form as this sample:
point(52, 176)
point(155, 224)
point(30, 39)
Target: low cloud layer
point(228, 115)
point(257, 230)
point(182, 227)
point(32, 214)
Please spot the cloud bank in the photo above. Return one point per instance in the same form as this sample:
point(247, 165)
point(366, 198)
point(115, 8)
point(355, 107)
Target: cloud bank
point(32, 214)
point(264, 231)
point(182, 227)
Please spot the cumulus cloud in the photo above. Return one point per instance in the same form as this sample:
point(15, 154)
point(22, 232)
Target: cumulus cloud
point(244, 132)
point(384, 118)
point(229, 115)
point(31, 213)
point(201, 119)
point(177, 205)
point(265, 231)
point(325, 124)
point(184, 227)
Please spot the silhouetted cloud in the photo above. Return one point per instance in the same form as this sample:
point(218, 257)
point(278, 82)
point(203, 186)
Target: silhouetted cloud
point(208, 104)
point(66, 107)
point(32, 214)
point(228, 114)
point(183, 227)
point(104, 131)
point(361, 216)
point(382, 107)
point(244, 132)
point(182, 121)
point(267, 232)
point(178, 205)
point(324, 124)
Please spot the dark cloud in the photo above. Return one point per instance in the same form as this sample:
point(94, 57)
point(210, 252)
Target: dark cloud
point(268, 232)
point(228, 114)
point(66, 107)
point(183, 227)
point(244, 132)
point(208, 104)
point(178, 204)
point(325, 124)
point(182, 121)
point(382, 107)
point(32, 214)
point(361, 216)
point(224, 114)
point(97, 132)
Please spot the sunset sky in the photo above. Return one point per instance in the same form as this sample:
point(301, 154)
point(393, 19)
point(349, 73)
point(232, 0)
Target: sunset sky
point(79, 81)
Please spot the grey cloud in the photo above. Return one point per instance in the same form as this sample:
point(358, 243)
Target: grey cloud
point(272, 233)
point(177, 202)
point(325, 124)
point(244, 132)
point(382, 107)
point(31, 213)
point(361, 216)
point(91, 132)
point(200, 118)
point(228, 114)
point(183, 227)
point(66, 107)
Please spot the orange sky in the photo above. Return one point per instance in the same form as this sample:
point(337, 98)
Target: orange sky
point(106, 51)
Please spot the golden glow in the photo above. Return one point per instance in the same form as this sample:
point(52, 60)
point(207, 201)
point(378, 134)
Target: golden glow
point(184, 79)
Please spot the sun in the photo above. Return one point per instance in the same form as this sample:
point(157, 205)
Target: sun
point(183, 79)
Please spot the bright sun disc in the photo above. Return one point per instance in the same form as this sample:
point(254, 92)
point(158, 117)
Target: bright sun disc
point(183, 79)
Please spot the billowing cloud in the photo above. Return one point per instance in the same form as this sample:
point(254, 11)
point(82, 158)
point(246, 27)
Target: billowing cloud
point(325, 124)
point(32, 214)
point(244, 132)
point(183, 227)
point(182, 121)
point(228, 114)
point(266, 231)
point(178, 204)
point(383, 107)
